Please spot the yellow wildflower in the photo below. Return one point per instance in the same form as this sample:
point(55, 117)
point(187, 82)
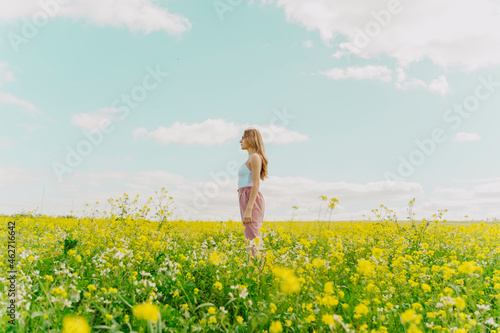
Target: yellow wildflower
point(146, 311)
point(75, 324)
point(275, 327)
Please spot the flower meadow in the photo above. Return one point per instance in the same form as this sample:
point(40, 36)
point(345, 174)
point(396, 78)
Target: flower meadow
point(131, 274)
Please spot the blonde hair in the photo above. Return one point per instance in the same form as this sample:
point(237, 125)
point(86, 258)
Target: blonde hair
point(254, 138)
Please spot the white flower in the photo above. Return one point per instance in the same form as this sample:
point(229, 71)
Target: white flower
point(491, 321)
point(483, 308)
point(67, 303)
point(244, 293)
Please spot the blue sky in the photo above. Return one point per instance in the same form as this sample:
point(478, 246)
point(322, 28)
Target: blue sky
point(340, 118)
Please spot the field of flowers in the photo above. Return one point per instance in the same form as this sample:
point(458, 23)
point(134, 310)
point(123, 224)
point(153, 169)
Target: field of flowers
point(134, 275)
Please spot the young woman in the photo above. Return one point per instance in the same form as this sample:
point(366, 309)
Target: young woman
point(252, 205)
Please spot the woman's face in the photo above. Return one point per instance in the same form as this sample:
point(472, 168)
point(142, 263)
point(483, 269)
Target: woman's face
point(244, 143)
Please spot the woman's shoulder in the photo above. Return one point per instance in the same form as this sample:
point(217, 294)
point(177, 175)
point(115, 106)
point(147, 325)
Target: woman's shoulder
point(255, 156)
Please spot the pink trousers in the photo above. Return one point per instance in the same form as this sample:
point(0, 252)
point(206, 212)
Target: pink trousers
point(252, 228)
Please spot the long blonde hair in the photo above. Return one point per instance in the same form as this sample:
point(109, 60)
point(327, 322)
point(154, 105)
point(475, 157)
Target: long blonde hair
point(254, 138)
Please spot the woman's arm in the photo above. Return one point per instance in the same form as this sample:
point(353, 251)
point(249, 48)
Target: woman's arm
point(255, 167)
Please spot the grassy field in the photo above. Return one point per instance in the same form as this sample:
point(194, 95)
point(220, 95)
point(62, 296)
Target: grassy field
point(134, 275)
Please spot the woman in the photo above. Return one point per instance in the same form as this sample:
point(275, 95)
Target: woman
point(252, 205)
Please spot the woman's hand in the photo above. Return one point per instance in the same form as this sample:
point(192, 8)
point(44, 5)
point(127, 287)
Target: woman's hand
point(247, 217)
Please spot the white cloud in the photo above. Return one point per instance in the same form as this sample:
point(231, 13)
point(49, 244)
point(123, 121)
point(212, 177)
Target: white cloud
point(5, 142)
point(216, 132)
point(5, 74)
point(467, 137)
point(13, 177)
point(432, 29)
point(440, 85)
point(308, 44)
point(208, 133)
point(92, 121)
point(384, 74)
point(381, 73)
point(478, 180)
point(7, 98)
point(338, 54)
point(139, 132)
point(280, 194)
point(11, 99)
point(137, 15)
point(32, 127)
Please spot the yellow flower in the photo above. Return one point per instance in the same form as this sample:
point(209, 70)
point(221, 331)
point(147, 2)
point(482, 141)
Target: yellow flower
point(126, 319)
point(288, 323)
point(460, 303)
point(109, 317)
point(239, 319)
point(468, 267)
point(318, 263)
point(218, 285)
point(364, 267)
point(377, 253)
point(414, 329)
point(211, 310)
point(426, 288)
point(273, 307)
point(411, 316)
point(417, 306)
point(275, 327)
point(146, 311)
point(91, 287)
point(328, 319)
point(329, 288)
point(310, 318)
point(212, 320)
point(361, 309)
point(75, 324)
point(289, 282)
point(215, 259)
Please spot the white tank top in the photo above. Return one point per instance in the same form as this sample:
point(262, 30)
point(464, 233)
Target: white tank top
point(244, 176)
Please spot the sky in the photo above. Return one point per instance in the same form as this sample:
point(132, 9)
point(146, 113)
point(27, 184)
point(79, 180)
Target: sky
point(370, 102)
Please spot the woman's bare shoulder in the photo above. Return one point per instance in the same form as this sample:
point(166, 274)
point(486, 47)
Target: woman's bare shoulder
point(255, 157)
